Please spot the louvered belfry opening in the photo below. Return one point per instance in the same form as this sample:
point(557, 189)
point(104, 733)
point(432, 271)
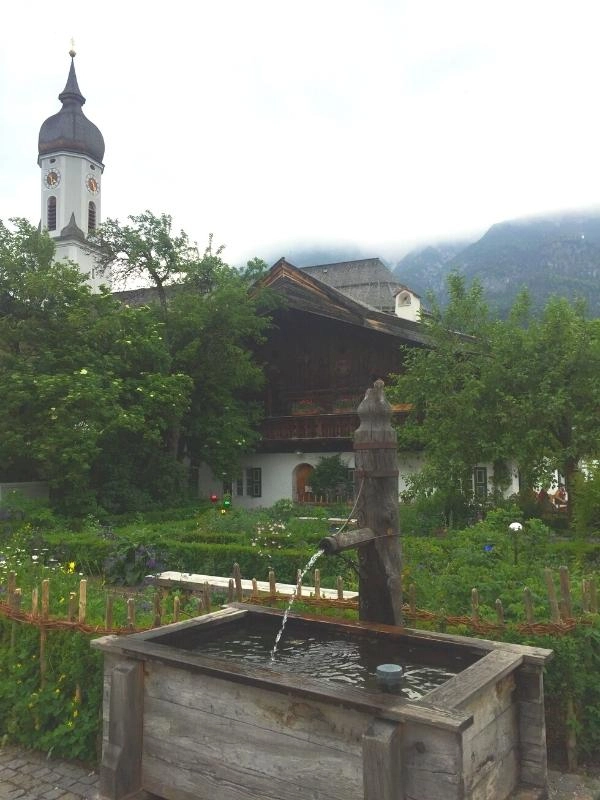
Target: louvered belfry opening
point(51, 214)
point(91, 216)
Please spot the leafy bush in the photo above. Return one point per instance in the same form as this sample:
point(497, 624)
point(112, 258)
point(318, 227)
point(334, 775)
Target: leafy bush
point(331, 478)
point(62, 717)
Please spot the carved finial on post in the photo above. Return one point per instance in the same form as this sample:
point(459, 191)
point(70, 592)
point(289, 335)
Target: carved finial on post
point(376, 460)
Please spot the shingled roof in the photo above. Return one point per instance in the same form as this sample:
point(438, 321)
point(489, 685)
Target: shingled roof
point(367, 280)
point(306, 292)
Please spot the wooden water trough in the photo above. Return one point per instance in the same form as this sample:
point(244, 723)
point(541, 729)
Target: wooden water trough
point(188, 726)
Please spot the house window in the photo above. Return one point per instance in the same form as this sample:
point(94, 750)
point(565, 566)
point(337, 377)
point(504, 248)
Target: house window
point(91, 216)
point(239, 485)
point(480, 481)
point(254, 482)
point(51, 209)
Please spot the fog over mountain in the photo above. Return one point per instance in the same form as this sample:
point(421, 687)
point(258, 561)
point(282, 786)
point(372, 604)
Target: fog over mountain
point(558, 255)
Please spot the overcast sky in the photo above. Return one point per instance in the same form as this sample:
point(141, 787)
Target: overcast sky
point(281, 125)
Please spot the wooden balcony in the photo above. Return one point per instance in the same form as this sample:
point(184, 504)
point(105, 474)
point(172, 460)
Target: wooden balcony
point(310, 426)
point(319, 431)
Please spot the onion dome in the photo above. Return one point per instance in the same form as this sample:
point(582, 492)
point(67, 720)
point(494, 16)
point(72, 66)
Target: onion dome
point(70, 130)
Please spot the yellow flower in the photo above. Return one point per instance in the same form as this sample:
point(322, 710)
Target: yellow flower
point(71, 566)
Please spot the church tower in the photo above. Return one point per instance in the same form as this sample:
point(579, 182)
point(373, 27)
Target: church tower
point(70, 153)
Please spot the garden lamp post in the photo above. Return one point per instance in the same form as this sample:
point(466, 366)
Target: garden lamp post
point(515, 528)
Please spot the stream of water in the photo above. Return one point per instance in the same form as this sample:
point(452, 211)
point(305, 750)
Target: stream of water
point(313, 559)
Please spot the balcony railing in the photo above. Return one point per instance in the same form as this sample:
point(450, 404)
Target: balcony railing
point(310, 426)
point(316, 426)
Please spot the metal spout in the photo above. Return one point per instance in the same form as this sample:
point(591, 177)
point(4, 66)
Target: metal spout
point(348, 540)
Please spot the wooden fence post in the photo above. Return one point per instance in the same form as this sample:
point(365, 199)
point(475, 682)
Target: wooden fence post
point(82, 600)
point(157, 622)
point(45, 598)
point(528, 603)
point(474, 606)
point(237, 577)
point(340, 587)
point(35, 602)
point(206, 597)
point(176, 608)
point(554, 612)
point(499, 612)
point(565, 591)
point(318, 584)
point(376, 475)
point(272, 584)
point(131, 613)
point(72, 606)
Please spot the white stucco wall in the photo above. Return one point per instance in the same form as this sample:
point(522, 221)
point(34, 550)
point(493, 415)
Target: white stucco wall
point(513, 486)
point(278, 478)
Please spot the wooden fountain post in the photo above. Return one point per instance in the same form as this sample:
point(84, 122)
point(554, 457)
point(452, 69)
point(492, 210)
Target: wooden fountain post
point(376, 476)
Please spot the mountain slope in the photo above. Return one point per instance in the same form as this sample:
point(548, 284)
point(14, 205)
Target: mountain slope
point(559, 255)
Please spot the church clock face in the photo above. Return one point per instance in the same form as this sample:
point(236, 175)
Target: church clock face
point(52, 179)
point(91, 184)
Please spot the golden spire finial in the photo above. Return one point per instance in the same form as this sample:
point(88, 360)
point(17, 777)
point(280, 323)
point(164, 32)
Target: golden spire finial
point(72, 52)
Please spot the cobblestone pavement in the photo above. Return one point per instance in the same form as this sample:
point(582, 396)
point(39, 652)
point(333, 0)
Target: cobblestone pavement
point(30, 775)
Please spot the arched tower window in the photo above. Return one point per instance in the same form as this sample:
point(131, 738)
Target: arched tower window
point(51, 221)
point(91, 216)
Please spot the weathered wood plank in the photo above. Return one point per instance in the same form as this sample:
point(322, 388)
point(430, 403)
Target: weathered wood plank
point(431, 763)
point(320, 723)
point(359, 703)
point(485, 753)
point(382, 766)
point(175, 778)
point(247, 755)
point(121, 768)
point(488, 706)
point(530, 684)
point(501, 781)
point(460, 688)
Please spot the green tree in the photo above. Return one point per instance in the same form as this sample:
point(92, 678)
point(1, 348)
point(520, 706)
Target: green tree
point(211, 320)
point(526, 389)
point(81, 375)
point(145, 249)
point(451, 417)
point(552, 394)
